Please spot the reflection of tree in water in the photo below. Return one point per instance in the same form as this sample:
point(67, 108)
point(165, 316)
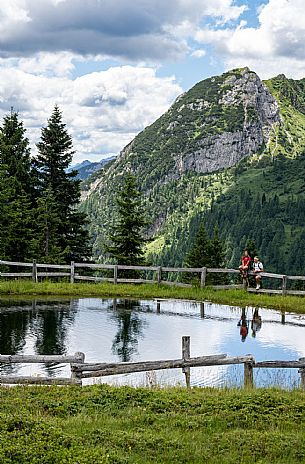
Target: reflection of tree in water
point(48, 321)
point(130, 327)
point(13, 330)
point(51, 328)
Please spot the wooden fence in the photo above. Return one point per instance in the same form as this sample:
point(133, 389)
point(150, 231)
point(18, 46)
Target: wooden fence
point(71, 271)
point(46, 359)
point(81, 370)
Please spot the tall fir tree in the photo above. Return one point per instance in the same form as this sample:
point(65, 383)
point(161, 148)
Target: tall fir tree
point(15, 153)
point(199, 254)
point(16, 179)
point(206, 252)
point(127, 241)
point(55, 152)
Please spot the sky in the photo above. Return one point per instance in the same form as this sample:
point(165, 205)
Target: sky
point(114, 66)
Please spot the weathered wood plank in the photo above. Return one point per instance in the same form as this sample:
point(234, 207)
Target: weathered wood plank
point(6, 379)
point(101, 366)
point(138, 268)
point(227, 287)
point(135, 281)
point(219, 270)
point(248, 375)
point(53, 266)
point(94, 266)
point(115, 274)
point(264, 290)
point(186, 355)
point(296, 292)
point(182, 269)
point(16, 274)
point(296, 277)
point(72, 272)
point(203, 277)
point(35, 358)
point(14, 263)
point(157, 365)
point(92, 278)
point(34, 271)
point(280, 364)
point(53, 274)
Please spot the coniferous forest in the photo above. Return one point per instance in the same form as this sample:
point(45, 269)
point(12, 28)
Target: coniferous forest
point(38, 197)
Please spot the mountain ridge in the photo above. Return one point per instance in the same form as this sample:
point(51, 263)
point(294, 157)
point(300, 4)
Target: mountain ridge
point(183, 167)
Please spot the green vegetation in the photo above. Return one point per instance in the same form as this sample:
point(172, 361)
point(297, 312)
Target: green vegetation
point(38, 197)
point(261, 198)
point(61, 231)
point(126, 239)
point(104, 290)
point(102, 424)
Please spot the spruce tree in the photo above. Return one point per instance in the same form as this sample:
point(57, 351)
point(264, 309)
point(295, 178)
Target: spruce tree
point(16, 195)
point(55, 152)
point(200, 253)
point(45, 245)
point(15, 153)
point(127, 240)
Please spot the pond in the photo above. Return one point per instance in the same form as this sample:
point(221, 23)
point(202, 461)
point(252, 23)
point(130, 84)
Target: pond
point(108, 330)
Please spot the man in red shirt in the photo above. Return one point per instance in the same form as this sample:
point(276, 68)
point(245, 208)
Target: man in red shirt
point(245, 265)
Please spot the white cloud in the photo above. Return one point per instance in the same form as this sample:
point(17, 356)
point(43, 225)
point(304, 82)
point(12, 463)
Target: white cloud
point(103, 110)
point(275, 46)
point(198, 53)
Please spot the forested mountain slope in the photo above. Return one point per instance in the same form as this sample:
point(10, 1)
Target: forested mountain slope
point(228, 152)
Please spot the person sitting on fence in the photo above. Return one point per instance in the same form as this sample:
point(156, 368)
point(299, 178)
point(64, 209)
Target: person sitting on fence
point(245, 265)
point(258, 268)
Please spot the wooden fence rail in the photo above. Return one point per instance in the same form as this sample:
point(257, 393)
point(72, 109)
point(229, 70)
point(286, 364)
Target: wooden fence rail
point(78, 357)
point(81, 370)
point(71, 271)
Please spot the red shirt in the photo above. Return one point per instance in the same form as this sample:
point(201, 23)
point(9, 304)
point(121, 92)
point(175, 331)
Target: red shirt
point(246, 260)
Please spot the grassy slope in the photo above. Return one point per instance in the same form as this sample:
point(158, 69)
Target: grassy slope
point(102, 424)
point(24, 289)
point(288, 140)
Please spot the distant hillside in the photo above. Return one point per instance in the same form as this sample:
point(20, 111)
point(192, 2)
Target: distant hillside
point(87, 168)
point(228, 152)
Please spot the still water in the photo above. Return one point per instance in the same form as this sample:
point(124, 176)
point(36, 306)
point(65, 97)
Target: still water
point(108, 330)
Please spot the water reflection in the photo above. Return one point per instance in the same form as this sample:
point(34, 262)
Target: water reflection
point(113, 330)
point(130, 328)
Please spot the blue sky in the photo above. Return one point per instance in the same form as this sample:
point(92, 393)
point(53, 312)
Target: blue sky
point(113, 67)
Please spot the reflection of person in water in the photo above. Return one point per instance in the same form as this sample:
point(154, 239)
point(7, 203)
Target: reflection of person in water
point(256, 323)
point(243, 324)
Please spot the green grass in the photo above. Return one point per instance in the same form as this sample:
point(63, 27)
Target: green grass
point(107, 290)
point(102, 424)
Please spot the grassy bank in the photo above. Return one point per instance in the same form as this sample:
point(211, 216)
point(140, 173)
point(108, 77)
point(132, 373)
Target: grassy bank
point(230, 297)
point(103, 424)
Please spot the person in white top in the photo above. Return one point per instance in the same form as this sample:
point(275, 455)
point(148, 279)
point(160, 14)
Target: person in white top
point(258, 268)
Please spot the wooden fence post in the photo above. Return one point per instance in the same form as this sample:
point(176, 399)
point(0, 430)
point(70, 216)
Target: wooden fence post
point(72, 272)
point(158, 307)
point(203, 277)
point(202, 310)
point(115, 274)
point(284, 285)
point(248, 375)
point(283, 317)
point(186, 354)
point(34, 271)
point(75, 375)
point(159, 275)
point(302, 373)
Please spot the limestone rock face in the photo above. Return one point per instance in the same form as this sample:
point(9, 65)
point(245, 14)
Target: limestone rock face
point(260, 114)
